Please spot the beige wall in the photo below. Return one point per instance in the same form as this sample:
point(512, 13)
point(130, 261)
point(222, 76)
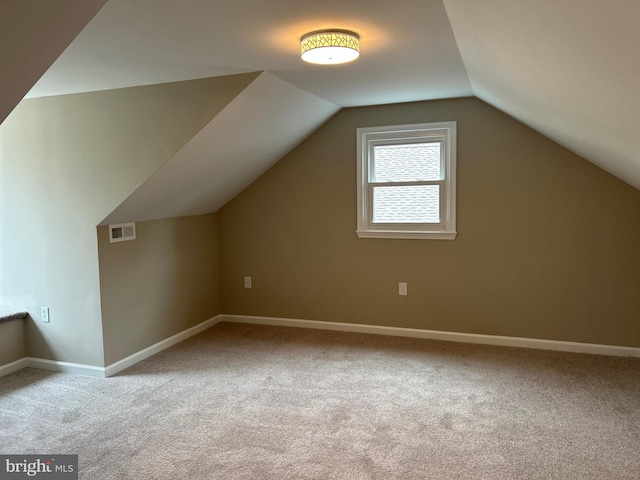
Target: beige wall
point(65, 163)
point(12, 341)
point(33, 33)
point(547, 243)
point(163, 282)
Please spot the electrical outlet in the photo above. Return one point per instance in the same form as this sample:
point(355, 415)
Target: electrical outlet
point(402, 289)
point(247, 282)
point(44, 314)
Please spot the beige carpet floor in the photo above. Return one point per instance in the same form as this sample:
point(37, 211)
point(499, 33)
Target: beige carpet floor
point(257, 402)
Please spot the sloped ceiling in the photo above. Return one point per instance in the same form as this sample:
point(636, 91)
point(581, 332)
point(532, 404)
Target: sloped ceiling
point(409, 53)
point(568, 69)
point(33, 33)
point(249, 135)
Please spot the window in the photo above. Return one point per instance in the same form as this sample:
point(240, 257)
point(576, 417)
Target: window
point(407, 181)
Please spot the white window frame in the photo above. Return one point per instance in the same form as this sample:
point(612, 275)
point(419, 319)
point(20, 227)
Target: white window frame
point(370, 137)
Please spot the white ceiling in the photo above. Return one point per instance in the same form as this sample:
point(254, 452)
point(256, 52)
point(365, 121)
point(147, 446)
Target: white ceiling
point(408, 50)
point(566, 68)
point(570, 69)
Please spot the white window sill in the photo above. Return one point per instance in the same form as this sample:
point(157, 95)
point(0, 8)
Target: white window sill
point(407, 235)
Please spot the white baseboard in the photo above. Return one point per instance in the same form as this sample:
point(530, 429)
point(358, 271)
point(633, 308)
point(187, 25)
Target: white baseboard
point(12, 367)
point(93, 371)
point(158, 347)
point(574, 347)
point(51, 365)
point(65, 367)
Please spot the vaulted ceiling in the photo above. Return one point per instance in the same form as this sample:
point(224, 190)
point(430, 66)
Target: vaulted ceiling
point(568, 69)
point(231, 151)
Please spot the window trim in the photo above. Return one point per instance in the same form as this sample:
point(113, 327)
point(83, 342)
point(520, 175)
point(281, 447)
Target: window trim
point(369, 137)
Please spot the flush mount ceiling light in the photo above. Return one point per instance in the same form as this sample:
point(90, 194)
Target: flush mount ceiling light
point(330, 47)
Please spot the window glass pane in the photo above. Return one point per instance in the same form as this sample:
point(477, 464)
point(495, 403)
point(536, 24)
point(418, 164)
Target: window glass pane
point(406, 163)
point(414, 204)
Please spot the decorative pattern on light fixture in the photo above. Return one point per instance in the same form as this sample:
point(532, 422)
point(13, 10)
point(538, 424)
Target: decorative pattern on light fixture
point(330, 47)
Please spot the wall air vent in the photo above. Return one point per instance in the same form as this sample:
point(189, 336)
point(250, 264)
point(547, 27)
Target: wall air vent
point(122, 232)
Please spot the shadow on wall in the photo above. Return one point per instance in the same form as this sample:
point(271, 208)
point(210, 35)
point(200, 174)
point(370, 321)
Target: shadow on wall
point(162, 283)
point(13, 342)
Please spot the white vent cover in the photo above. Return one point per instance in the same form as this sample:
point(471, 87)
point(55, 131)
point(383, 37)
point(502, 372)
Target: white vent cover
point(121, 232)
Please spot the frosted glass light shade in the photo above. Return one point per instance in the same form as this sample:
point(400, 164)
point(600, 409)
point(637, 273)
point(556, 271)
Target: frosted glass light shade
point(330, 47)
